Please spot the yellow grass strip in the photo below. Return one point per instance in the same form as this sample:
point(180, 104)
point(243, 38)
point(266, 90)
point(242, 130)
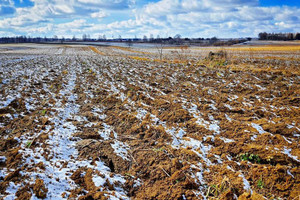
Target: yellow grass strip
point(128, 49)
point(250, 48)
point(94, 49)
point(139, 58)
point(266, 48)
point(257, 69)
point(277, 58)
point(157, 60)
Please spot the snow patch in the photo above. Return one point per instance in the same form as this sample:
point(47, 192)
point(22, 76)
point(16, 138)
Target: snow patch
point(288, 153)
point(258, 128)
point(121, 149)
point(246, 183)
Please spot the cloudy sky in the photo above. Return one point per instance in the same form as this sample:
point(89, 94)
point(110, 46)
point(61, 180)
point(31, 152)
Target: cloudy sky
point(130, 18)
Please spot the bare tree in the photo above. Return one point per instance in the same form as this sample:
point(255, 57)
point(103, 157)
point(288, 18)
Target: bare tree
point(290, 36)
point(84, 37)
point(160, 48)
point(151, 38)
point(177, 39)
point(55, 38)
point(129, 43)
point(145, 39)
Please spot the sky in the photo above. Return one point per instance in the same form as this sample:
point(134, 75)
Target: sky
point(136, 18)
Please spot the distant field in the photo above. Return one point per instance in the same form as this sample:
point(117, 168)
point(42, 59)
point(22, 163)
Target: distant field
point(93, 122)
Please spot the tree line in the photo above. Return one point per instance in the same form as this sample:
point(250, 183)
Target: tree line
point(24, 39)
point(176, 40)
point(278, 36)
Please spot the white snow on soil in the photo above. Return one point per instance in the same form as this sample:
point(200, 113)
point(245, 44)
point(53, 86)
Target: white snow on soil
point(288, 153)
point(63, 156)
point(259, 129)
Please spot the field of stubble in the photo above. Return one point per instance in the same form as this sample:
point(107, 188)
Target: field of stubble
point(88, 122)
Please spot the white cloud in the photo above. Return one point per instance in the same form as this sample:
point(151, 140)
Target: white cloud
point(76, 24)
point(99, 15)
point(219, 17)
point(192, 18)
point(113, 4)
point(41, 30)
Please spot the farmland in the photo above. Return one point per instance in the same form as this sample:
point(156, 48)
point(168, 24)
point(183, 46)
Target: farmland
point(92, 122)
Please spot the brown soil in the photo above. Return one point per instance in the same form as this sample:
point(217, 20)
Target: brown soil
point(236, 95)
point(39, 189)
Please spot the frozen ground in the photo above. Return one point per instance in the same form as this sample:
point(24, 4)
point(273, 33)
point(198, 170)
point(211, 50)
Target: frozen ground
point(88, 122)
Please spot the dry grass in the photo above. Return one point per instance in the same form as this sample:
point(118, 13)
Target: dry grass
point(128, 49)
point(265, 48)
point(94, 49)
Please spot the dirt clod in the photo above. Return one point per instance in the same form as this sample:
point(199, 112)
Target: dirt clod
point(39, 189)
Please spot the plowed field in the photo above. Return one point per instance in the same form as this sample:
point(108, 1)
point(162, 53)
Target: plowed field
point(88, 122)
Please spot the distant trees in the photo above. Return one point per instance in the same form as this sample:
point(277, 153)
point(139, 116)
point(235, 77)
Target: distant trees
point(55, 38)
point(151, 38)
point(290, 36)
point(263, 36)
point(177, 39)
point(101, 38)
point(213, 40)
point(23, 39)
point(278, 36)
point(28, 39)
point(74, 38)
point(129, 42)
point(145, 39)
point(86, 37)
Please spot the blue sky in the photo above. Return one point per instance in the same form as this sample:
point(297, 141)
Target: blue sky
point(279, 3)
point(130, 18)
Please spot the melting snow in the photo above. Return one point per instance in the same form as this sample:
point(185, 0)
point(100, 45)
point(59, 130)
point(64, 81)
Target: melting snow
point(121, 149)
point(226, 140)
point(288, 153)
point(228, 118)
point(105, 133)
point(253, 137)
point(258, 128)
point(62, 158)
point(289, 173)
point(12, 190)
point(246, 183)
point(228, 106)
point(141, 113)
point(215, 128)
